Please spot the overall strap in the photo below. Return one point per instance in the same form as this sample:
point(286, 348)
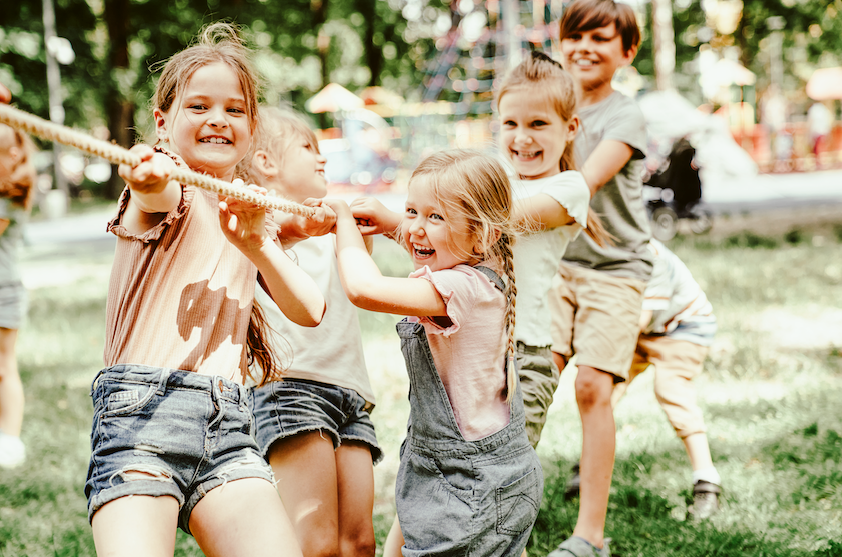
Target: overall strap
point(492, 276)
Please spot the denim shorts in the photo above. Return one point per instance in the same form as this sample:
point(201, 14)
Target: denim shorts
point(159, 431)
point(292, 406)
point(13, 305)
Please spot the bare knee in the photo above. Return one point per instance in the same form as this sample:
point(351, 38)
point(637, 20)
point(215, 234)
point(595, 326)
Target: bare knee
point(593, 388)
point(320, 546)
point(359, 544)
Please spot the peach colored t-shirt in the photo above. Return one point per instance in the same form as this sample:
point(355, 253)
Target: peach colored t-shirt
point(180, 294)
point(470, 351)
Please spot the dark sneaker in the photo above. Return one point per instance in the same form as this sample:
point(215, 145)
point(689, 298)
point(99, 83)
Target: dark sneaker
point(575, 546)
point(571, 490)
point(705, 500)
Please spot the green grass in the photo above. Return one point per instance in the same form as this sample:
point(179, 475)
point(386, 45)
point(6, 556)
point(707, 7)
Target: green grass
point(772, 407)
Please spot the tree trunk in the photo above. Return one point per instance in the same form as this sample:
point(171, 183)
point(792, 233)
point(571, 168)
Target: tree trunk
point(663, 44)
point(120, 110)
point(373, 53)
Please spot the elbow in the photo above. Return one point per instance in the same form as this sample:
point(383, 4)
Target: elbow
point(360, 294)
point(313, 316)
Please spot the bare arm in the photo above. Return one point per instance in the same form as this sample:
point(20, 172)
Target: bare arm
point(605, 162)
point(541, 212)
point(153, 194)
point(374, 218)
point(295, 293)
point(366, 287)
point(295, 228)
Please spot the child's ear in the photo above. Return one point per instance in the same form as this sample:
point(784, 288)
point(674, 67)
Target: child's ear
point(573, 128)
point(265, 164)
point(629, 55)
point(160, 124)
point(480, 247)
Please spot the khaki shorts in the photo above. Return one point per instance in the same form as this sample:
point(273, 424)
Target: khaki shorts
point(677, 363)
point(596, 316)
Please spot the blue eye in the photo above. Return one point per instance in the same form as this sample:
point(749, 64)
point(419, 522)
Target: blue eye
point(436, 216)
point(411, 211)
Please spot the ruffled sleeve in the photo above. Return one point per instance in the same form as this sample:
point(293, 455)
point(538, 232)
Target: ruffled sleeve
point(458, 288)
point(115, 225)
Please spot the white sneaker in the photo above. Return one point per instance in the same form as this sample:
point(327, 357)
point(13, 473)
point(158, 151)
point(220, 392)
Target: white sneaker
point(12, 451)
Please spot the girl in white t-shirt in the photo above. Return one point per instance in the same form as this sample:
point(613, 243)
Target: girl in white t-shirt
point(469, 482)
point(314, 427)
point(538, 123)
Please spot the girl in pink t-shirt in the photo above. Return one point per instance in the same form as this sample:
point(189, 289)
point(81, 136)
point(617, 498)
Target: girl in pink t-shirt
point(469, 481)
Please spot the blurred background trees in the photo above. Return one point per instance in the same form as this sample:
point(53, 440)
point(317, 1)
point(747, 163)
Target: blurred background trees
point(304, 44)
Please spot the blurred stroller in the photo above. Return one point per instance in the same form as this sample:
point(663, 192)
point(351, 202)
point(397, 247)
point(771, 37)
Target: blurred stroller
point(675, 193)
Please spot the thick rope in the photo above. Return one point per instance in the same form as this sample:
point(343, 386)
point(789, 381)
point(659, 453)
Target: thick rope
point(34, 125)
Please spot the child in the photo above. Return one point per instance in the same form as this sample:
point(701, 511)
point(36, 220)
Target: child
point(598, 291)
point(677, 327)
point(537, 106)
point(172, 433)
point(314, 427)
point(17, 178)
point(469, 482)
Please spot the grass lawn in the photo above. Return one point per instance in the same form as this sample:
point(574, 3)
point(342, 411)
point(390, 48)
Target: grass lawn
point(771, 394)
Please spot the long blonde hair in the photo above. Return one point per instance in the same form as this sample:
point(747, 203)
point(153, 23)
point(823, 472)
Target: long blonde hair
point(546, 80)
point(221, 42)
point(474, 186)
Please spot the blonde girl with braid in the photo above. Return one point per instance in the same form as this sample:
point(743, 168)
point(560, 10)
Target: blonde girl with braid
point(536, 104)
point(469, 482)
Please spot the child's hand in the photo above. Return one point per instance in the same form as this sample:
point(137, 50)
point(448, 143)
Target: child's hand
point(373, 217)
point(243, 222)
point(339, 207)
point(322, 222)
point(151, 175)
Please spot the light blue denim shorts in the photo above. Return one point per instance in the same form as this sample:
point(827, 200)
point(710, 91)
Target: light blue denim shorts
point(292, 406)
point(14, 301)
point(159, 431)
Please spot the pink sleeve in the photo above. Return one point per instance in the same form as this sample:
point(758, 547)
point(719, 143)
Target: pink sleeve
point(458, 289)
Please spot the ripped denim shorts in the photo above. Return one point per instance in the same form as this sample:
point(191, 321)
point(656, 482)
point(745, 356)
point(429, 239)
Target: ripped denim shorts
point(159, 431)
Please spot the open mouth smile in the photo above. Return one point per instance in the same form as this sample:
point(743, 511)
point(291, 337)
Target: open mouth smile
point(215, 140)
point(527, 155)
point(422, 252)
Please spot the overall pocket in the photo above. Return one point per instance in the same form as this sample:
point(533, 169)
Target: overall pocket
point(517, 503)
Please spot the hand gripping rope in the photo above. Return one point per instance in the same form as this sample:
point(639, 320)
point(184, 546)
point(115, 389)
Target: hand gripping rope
point(34, 125)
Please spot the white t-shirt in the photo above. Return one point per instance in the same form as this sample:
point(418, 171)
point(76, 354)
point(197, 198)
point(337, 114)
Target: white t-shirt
point(680, 309)
point(331, 353)
point(537, 255)
point(470, 350)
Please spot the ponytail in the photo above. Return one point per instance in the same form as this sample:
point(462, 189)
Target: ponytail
point(505, 245)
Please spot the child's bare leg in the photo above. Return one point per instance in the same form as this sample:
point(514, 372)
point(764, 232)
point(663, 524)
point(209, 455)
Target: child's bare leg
point(394, 541)
point(698, 450)
point(560, 362)
point(11, 388)
point(593, 395)
point(243, 518)
point(355, 489)
point(139, 525)
point(305, 469)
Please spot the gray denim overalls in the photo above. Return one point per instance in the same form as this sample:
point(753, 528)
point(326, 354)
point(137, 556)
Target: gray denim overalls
point(457, 497)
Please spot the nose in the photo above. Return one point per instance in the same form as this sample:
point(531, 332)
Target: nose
point(522, 137)
point(217, 117)
point(320, 158)
point(416, 226)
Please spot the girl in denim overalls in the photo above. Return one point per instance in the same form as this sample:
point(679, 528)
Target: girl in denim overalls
point(469, 482)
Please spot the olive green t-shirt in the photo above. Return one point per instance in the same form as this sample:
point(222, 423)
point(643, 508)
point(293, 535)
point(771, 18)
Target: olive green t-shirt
point(619, 203)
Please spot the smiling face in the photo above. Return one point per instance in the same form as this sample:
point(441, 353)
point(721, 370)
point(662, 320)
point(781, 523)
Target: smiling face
point(593, 56)
point(533, 134)
point(432, 238)
point(302, 170)
point(207, 124)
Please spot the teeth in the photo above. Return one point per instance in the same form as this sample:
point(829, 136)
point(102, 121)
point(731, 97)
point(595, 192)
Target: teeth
point(215, 140)
point(581, 62)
